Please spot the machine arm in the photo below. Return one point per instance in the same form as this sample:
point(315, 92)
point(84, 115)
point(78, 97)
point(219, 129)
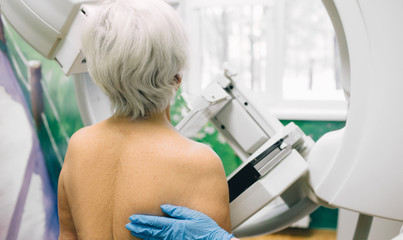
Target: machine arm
point(272, 157)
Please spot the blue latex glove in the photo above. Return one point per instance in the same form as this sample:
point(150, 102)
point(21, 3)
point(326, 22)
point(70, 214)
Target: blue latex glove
point(184, 223)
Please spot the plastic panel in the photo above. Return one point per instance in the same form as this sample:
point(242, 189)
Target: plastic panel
point(54, 12)
point(366, 174)
point(43, 24)
point(241, 126)
point(32, 28)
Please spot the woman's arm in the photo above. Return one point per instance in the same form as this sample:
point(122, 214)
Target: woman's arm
point(67, 228)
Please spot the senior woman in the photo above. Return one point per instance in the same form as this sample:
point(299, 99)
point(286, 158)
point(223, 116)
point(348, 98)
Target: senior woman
point(135, 161)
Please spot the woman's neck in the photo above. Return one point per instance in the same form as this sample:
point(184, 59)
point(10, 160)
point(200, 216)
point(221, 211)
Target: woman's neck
point(162, 118)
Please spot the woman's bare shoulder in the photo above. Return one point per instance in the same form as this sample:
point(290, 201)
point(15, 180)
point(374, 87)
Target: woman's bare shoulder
point(82, 137)
point(205, 156)
point(198, 156)
point(85, 141)
point(88, 132)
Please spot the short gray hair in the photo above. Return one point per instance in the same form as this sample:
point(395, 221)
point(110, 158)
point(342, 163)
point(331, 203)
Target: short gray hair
point(134, 50)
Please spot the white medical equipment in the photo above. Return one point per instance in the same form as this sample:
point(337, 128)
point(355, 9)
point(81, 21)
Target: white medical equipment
point(285, 175)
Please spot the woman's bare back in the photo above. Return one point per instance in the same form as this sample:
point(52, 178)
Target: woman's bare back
point(117, 168)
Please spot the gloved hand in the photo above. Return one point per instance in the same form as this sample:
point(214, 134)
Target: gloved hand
point(184, 223)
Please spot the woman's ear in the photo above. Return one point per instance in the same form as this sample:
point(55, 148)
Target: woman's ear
point(178, 80)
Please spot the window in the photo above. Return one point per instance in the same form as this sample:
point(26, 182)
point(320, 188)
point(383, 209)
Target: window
point(284, 51)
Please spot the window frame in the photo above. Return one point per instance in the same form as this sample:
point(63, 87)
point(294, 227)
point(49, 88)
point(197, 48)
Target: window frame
point(272, 99)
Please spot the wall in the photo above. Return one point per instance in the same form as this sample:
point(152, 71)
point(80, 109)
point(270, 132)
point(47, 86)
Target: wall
point(28, 208)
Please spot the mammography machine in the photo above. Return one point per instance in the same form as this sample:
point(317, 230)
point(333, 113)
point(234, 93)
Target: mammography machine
point(285, 175)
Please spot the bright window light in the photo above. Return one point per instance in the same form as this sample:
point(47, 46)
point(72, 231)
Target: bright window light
point(285, 51)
